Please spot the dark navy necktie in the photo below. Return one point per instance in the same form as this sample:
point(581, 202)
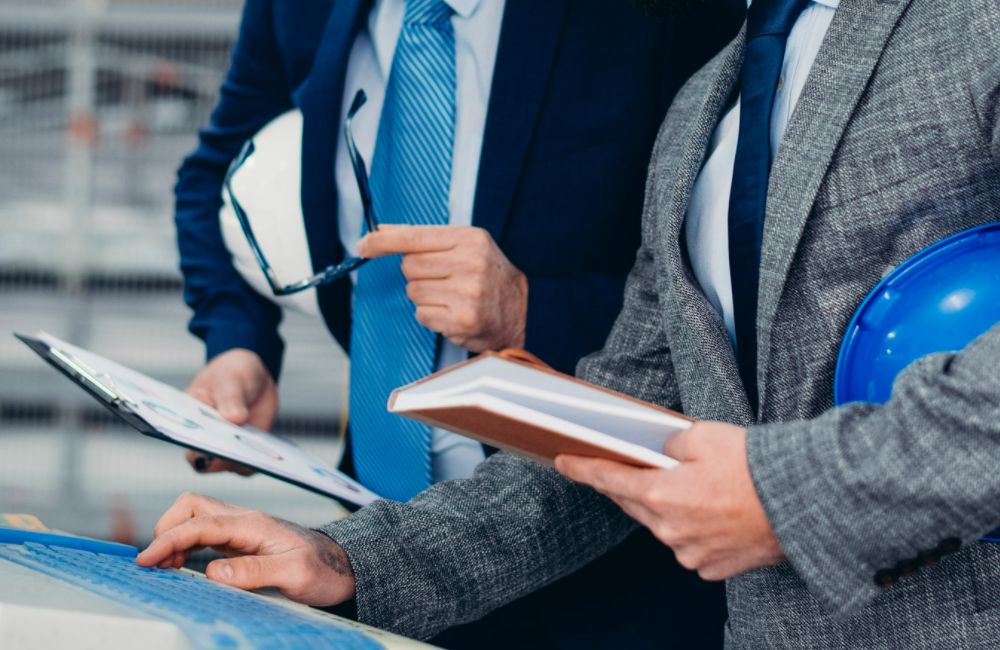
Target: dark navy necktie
point(769, 23)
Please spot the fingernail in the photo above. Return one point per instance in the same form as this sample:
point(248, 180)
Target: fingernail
point(226, 571)
point(201, 463)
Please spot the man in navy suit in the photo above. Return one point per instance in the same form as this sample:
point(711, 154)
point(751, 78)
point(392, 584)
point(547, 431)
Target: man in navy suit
point(512, 138)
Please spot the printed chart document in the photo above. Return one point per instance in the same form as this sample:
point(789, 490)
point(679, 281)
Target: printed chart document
point(513, 401)
point(163, 412)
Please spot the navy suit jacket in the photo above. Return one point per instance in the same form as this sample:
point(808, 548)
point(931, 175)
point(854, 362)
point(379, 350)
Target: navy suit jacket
point(579, 89)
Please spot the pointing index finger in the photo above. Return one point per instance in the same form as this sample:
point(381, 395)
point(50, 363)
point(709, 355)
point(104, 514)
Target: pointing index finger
point(393, 240)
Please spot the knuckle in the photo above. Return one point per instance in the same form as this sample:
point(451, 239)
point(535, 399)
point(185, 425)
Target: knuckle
point(252, 566)
point(258, 518)
point(481, 237)
point(655, 499)
point(687, 559)
point(711, 574)
point(215, 521)
point(665, 533)
point(475, 291)
point(467, 320)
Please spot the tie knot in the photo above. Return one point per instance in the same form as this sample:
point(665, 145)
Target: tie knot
point(773, 17)
point(427, 12)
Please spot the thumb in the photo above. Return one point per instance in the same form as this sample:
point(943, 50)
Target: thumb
point(231, 402)
point(248, 572)
point(679, 445)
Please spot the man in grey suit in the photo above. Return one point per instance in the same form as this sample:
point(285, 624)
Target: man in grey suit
point(850, 527)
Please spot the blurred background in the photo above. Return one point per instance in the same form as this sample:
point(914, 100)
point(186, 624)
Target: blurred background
point(99, 102)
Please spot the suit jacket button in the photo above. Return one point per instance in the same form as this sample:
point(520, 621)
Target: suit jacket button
point(885, 578)
point(929, 558)
point(907, 568)
point(950, 545)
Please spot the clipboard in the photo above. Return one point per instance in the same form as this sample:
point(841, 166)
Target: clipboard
point(160, 411)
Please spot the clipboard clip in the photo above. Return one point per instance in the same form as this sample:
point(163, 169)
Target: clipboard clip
point(75, 368)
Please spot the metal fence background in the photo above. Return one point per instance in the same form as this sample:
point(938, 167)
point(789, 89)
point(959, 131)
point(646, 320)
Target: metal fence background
point(99, 102)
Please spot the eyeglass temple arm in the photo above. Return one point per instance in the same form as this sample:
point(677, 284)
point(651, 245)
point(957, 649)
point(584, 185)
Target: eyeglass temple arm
point(358, 163)
point(329, 274)
point(241, 217)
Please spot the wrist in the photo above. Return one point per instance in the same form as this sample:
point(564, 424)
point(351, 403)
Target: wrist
point(343, 587)
point(518, 337)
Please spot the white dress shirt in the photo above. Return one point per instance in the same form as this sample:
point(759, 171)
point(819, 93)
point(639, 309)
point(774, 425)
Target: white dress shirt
point(477, 35)
point(707, 220)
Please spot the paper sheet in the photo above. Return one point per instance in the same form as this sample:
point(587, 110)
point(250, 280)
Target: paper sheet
point(185, 420)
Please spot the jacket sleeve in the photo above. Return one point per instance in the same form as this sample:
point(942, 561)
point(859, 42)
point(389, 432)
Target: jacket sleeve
point(865, 491)
point(463, 548)
point(227, 312)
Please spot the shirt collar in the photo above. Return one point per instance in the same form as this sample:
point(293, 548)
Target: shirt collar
point(463, 8)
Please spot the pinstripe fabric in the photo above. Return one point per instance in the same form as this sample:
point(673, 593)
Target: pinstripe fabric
point(411, 176)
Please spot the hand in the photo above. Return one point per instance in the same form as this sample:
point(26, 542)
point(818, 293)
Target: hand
point(262, 551)
point(705, 509)
point(463, 285)
point(238, 385)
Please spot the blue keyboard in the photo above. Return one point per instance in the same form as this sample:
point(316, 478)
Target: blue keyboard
point(211, 615)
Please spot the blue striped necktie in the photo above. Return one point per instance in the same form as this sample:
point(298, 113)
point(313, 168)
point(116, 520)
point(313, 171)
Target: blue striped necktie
point(769, 23)
point(411, 179)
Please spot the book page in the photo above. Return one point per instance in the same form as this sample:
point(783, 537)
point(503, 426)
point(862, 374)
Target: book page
point(544, 393)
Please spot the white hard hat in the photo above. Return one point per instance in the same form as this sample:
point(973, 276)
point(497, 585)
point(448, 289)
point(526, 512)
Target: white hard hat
point(268, 188)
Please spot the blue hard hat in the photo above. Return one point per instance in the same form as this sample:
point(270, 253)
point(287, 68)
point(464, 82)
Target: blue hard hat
point(938, 300)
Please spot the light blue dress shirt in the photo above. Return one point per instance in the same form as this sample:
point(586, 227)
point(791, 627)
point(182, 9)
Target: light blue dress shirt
point(477, 35)
point(707, 220)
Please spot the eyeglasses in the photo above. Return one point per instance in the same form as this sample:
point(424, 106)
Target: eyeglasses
point(331, 273)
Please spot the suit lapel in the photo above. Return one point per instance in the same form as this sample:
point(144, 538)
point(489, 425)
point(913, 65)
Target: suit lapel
point(529, 40)
point(320, 101)
point(836, 83)
point(711, 367)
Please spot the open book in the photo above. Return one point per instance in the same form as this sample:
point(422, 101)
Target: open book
point(515, 402)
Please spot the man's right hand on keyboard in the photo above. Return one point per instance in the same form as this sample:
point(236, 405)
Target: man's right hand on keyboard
point(262, 551)
point(239, 386)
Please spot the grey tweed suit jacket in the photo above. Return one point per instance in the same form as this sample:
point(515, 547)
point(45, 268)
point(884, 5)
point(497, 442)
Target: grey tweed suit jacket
point(895, 144)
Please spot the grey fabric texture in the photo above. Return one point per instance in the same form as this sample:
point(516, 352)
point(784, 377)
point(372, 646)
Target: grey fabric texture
point(894, 145)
